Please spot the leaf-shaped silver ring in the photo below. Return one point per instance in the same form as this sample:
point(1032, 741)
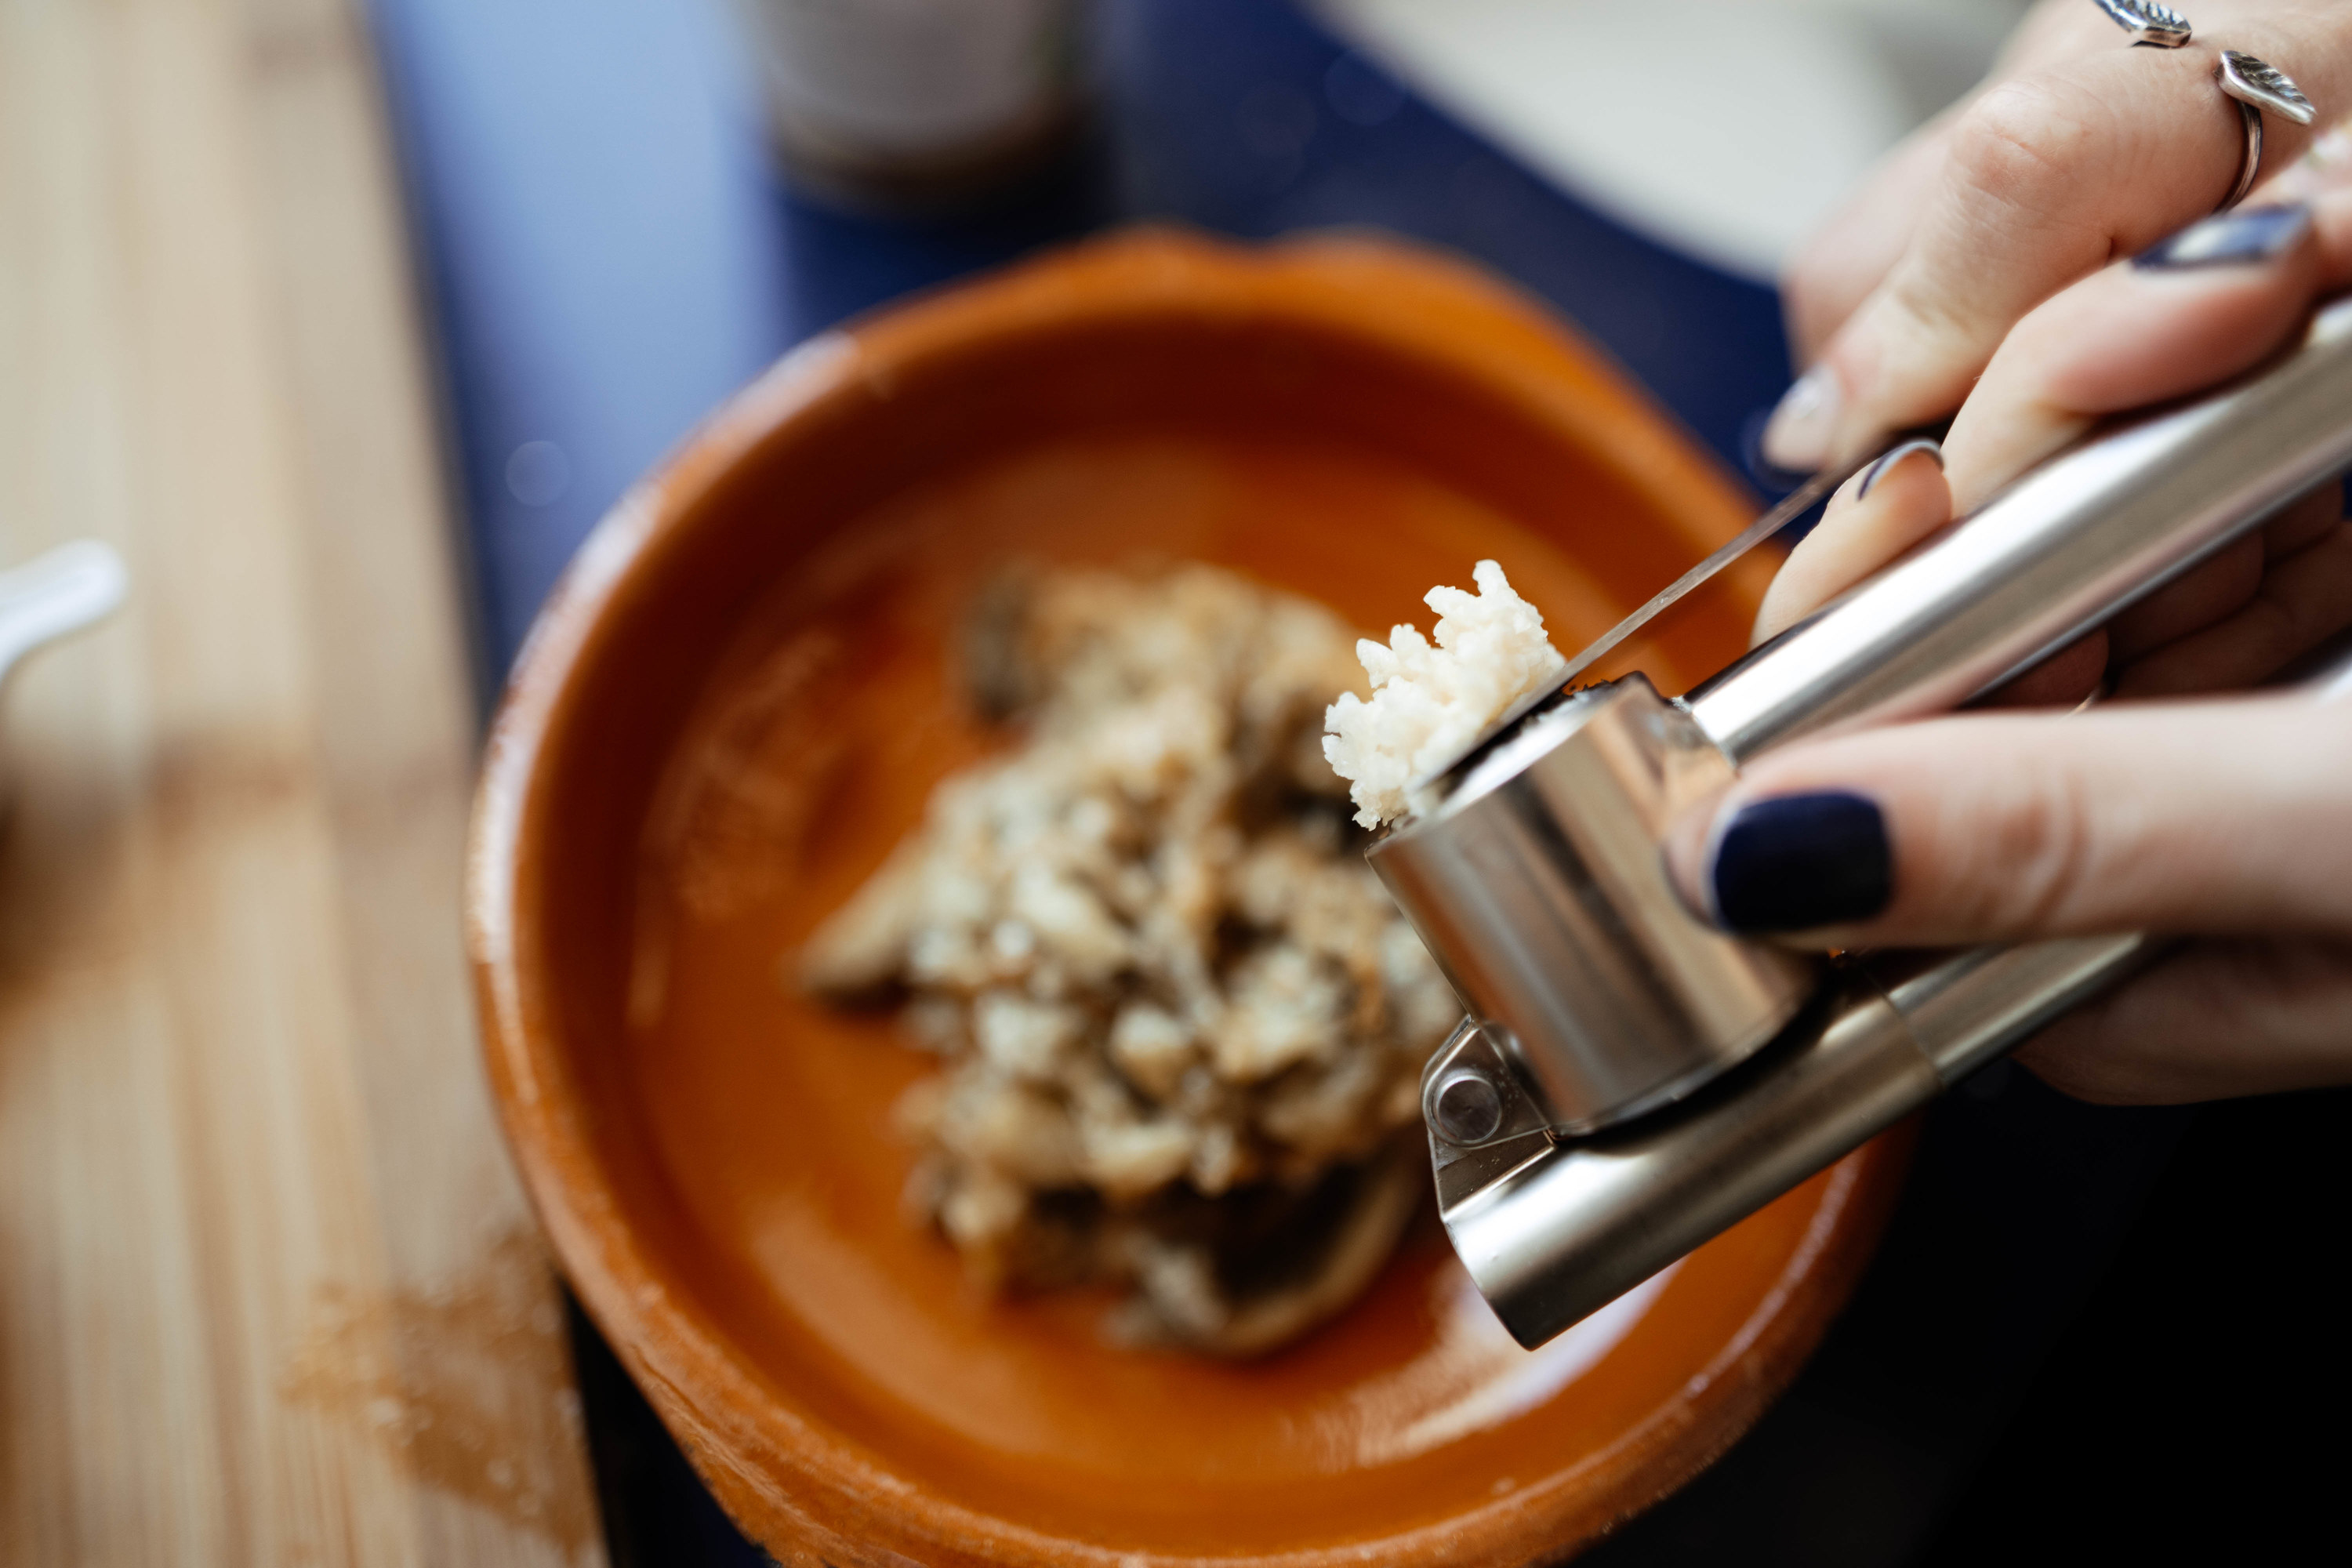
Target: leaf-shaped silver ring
point(2265, 86)
point(2158, 27)
point(2257, 85)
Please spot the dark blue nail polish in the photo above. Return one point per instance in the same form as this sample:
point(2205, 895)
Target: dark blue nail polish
point(2239, 238)
point(1798, 861)
point(1893, 455)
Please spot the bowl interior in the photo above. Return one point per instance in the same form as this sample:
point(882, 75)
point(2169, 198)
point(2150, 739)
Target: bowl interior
point(742, 706)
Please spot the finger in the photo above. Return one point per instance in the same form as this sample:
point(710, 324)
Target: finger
point(2306, 521)
point(2064, 680)
point(2301, 602)
point(2217, 589)
point(2132, 335)
point(2213, 301)
point(1850, 256)
point(2225, 584)
point(2046, 178)
point(2217, 1019)
point(1874, 517)
point(2214, 818)
point(2210, 301)
point(2129, 336)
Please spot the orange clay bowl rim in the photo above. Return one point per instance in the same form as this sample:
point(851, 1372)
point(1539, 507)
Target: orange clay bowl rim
point(765, 1459)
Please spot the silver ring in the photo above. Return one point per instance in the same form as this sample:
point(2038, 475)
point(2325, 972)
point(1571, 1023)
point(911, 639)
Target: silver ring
point(2257, 85)
point(2254, 83)
point(2149, 23)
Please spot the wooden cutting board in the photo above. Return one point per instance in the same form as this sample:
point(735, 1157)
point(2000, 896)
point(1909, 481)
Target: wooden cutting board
point(268, 1294)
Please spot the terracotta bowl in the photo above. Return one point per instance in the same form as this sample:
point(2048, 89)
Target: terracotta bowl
point(738, 701)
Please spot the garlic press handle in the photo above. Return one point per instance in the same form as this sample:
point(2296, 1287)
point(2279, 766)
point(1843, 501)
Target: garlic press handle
point(1552, 1229)
point(2053, 555)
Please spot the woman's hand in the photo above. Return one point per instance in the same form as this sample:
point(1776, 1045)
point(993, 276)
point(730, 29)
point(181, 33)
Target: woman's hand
point(2078, 148)
point(2134, 333)
point(2229, 821)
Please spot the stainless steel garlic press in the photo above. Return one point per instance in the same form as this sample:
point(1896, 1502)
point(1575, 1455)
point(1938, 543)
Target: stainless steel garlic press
point(1629, 1080)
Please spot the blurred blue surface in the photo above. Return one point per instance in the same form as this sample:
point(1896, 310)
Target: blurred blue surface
point(1240, 117)
point(599, 245)
point(607, 254)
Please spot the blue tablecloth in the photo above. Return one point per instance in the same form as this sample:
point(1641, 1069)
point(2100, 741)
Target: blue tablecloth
point(607, 254)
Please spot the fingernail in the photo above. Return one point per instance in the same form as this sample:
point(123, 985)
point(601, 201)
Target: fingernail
point(2239, 238)
point(1893, 455)
point(1797, 862)
point(1796, 437)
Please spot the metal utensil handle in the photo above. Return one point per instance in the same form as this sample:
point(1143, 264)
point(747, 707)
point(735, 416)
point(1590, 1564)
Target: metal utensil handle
point(1571, 1225)
point(2052, 557)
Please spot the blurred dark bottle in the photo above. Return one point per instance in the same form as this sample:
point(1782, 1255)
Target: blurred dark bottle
point(918, 106)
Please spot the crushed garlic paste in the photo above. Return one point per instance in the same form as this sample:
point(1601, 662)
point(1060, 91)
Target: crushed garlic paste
point(1430, 705)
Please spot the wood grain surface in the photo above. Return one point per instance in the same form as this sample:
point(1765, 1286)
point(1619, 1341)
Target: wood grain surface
point(267, 1291)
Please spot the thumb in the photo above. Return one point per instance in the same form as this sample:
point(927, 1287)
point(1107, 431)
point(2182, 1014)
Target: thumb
point(2217, 817)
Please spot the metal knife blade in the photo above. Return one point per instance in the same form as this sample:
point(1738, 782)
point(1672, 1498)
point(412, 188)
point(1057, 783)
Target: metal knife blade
point(1795, 504)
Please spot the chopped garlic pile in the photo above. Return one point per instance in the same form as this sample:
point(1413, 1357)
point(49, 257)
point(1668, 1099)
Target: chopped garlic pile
point(1184, 1026)
point(1430, 705)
